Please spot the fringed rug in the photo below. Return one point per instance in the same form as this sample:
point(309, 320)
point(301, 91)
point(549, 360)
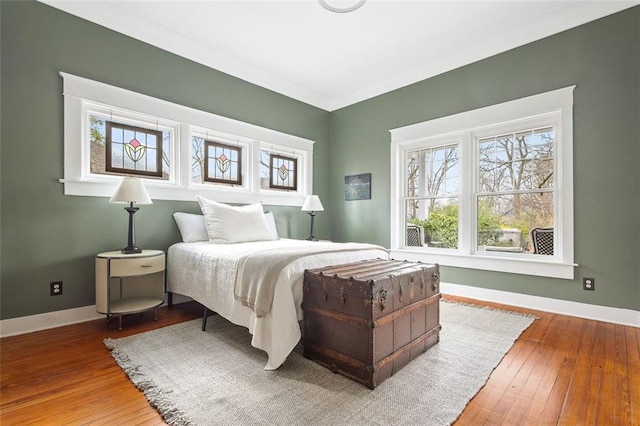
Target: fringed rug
point(216, 377)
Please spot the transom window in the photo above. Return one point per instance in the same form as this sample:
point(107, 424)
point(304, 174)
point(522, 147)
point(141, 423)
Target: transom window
point(180, 152)
point(481, 189)
point(279, 171)
point(117, 147)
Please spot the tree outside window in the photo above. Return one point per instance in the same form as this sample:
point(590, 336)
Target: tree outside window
point(515, 187)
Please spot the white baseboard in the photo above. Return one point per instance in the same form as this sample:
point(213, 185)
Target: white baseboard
point(575, 309)
point(28, 324)
point(31, 323)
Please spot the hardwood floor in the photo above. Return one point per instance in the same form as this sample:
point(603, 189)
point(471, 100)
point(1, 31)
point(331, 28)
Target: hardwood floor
point(562, 370)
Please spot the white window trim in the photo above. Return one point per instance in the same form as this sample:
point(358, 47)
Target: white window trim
point(464, 126)
point(78, 90)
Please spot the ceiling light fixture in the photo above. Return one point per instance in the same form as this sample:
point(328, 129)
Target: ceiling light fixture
point(342, 6)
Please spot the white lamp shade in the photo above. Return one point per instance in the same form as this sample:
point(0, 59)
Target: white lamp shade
point(312, 204)
point(131, 190)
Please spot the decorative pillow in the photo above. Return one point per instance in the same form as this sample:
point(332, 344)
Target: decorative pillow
point(191, 226)
point(230, 224)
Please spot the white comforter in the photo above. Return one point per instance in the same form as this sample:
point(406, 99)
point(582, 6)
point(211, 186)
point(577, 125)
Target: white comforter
point(207, 273)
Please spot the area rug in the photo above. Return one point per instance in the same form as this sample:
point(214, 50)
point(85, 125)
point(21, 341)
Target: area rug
point(216, 378)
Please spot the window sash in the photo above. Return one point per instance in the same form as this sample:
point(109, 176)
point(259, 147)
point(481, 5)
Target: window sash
point(510, 156)
point(223, 165)
point(109, 167)
point(275, 172)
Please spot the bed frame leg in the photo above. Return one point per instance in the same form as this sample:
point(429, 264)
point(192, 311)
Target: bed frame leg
point(204, 318)
point(169, 299)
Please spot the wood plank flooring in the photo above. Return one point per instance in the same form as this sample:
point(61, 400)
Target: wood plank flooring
point(561, 371)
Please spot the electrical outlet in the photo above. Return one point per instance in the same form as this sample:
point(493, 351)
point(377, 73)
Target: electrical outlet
point(588, 283)
point(56, 288)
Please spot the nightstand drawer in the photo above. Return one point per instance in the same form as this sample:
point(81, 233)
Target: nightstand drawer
point(136, 266)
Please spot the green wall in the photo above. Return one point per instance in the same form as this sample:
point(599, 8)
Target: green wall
point(47, 236)
point(602, 59)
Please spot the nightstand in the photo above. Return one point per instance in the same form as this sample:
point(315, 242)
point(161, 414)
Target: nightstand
point(129, 283)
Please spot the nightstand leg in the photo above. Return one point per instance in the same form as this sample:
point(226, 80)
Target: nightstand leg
point(155, 313)
point(120, 327)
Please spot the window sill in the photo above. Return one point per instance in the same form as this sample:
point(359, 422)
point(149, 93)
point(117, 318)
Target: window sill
point(167, 191)
point(536, 267)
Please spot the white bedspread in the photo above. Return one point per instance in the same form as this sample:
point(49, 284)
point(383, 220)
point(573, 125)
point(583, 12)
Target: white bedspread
point(207, 273)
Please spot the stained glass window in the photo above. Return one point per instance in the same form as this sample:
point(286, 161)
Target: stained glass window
point(133, 150)
point(223, 163)
point(182, 154)
point(283, 172)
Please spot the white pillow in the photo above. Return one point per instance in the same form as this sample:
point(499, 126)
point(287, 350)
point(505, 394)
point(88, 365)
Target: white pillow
point(230, 224)
point(191, 226)
point(271, 223)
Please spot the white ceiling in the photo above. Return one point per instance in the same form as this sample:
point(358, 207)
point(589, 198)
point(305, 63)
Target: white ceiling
point(331, 60)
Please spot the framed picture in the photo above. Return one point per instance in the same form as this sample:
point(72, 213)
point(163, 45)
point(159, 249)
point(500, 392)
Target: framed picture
point(357, 187)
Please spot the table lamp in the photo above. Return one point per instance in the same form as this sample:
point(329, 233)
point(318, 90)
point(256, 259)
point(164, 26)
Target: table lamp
point(312, 204)
point(131, 190)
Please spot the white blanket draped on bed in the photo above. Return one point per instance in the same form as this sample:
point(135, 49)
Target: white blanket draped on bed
point(208, 272)
point(258, 272)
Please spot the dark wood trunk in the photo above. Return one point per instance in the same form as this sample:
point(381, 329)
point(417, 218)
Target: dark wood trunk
point(369, 319)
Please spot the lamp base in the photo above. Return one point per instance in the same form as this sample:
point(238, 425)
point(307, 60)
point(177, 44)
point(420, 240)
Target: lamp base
point(311, 236)
point(131, 240)
point(131, 250)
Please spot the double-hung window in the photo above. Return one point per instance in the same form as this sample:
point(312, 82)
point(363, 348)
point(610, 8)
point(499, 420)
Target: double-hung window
point(488, 189)
point(432, 194)
point(514, 190)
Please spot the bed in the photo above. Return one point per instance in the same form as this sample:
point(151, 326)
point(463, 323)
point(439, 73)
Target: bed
point(216, 276)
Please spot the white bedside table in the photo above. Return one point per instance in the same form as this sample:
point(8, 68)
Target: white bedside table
point(129, 283)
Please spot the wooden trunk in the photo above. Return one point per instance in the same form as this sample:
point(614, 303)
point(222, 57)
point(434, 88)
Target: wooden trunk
point(369, 319)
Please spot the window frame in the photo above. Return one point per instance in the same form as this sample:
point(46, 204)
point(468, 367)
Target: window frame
point(550, 119)
point(82, 95)
point(468, 127)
